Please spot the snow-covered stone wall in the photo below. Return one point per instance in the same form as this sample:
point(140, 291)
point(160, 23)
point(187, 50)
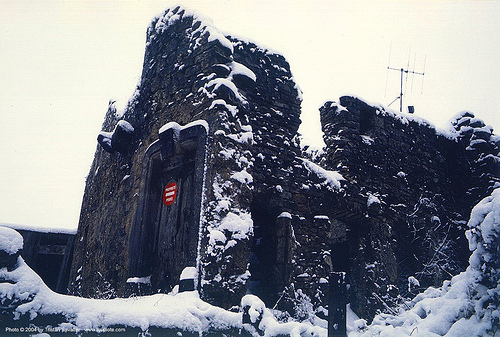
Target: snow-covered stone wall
point(251, 106)
point(185, 75)
point(417, 184)
point(387, 201)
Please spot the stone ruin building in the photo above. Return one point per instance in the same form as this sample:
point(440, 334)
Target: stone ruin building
point(204, 169)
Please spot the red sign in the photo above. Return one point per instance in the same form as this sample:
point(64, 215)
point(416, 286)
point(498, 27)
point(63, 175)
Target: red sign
point(169, 194)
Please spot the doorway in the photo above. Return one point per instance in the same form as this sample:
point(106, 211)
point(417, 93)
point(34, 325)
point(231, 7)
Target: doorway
point(164, 237)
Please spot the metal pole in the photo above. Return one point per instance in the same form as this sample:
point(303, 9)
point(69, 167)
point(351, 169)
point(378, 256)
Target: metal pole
point(407, 71)
point(401, 93)
point(337, 305)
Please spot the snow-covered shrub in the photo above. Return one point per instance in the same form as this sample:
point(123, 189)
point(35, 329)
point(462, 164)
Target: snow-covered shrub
point(484, 239)
point(11, 243)
point(258, 320)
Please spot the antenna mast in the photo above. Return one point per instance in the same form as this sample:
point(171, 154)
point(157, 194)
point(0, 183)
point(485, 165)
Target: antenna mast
point(405, 71)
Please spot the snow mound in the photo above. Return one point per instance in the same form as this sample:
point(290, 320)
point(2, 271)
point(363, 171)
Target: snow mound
point(181, 311)
point(10, 241)
point(184, 311)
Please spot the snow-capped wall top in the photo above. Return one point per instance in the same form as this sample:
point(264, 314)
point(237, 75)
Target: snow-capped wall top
point(200, 27)
point(10, 240)
point(482, 148)
point(178, 128)
point(467, 124)
point(402, 117)
point(40, 229)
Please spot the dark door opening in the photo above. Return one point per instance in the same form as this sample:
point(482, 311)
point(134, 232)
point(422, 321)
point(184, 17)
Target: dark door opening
point(263, 252)
point(271, 251)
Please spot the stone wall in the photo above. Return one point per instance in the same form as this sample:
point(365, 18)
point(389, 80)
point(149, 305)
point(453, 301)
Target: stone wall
point(179, 63)
point(191, 72)
point(413, 181)
point(249, 164)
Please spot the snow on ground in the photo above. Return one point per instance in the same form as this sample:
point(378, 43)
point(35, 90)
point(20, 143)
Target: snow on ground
point(184, 311)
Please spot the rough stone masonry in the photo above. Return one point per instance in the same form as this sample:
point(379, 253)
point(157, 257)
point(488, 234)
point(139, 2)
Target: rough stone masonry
point(217, 117)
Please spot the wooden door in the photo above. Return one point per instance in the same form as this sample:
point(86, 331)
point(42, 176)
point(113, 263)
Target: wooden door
point(176, 229)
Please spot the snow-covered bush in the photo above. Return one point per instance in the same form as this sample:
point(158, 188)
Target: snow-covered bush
point(484, 239)
point(11, 242)
point(258, 320)
point(468, 304)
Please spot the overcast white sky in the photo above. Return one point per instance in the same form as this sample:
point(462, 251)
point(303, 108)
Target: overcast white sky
point(61, 61)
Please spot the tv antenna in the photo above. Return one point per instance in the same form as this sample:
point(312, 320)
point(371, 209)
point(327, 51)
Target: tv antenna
point(404, 80)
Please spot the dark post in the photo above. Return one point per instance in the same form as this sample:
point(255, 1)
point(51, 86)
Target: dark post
point(337, 302)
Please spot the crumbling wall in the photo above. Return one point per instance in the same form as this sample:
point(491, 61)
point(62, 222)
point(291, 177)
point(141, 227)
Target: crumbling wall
point(263, 168)
point(413, 181)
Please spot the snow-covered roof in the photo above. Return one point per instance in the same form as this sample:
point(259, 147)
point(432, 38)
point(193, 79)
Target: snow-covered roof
point(41, 229)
